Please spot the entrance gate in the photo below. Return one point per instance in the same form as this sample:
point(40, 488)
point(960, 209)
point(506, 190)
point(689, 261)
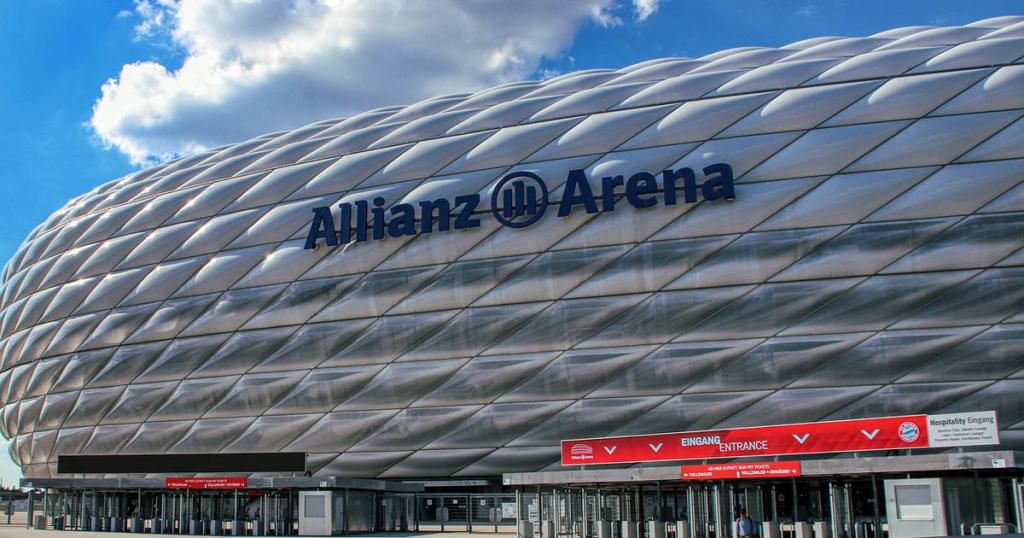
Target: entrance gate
point(264, 507)
point(468, 512)
point(828, 508)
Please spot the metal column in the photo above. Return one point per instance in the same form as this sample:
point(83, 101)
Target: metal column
point(691, 501)
point(833, 509)
point(584, 523)
point(661, 503)
point(1018, 502)
point(266, 514)
point(720, 527)
point(570, 517)
point(796, 512)
point(31, 508)
point(519, 513)
point(848, 524)
point(875, 507)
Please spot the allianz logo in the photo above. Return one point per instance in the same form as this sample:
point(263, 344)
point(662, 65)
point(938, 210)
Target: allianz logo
point(518, 200)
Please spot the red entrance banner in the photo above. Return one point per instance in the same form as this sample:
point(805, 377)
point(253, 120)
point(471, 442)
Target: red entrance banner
point(220, 482)
point(886, 433)
point(727, 471)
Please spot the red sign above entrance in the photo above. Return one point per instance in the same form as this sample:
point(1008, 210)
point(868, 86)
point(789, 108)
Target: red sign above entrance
point(219, 482)
point(726, 471)
point(811, 438)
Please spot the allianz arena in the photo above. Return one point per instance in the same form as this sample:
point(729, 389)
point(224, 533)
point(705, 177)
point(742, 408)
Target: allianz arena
point(861, 254)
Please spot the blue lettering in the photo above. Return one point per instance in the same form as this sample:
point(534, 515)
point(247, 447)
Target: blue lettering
point(720, 186)
point(443, 215)
point(608, 185)
point(378, 218)
point(641, 184)
point(670, 177)
point(361, 219)
point(403, 220)
point(322, 227)
point(346, 223)
point(520, 199)
point(577, 181)
point(465, 217)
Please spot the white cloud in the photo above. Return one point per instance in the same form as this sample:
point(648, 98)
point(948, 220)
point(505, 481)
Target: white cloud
point(605, 17)
point(155, 16)
point(643, 9)
point(251, 67)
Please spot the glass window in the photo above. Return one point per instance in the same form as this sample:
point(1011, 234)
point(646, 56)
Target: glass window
point(914, 502)
point(314, 506)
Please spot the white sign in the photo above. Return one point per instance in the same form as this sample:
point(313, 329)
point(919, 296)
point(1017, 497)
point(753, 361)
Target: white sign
point(508, 510)
point(963, 429)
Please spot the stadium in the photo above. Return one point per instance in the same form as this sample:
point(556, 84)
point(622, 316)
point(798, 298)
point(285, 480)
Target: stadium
point(829, 230)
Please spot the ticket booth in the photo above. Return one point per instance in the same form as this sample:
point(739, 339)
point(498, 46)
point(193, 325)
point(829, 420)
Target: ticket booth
point(914, 507)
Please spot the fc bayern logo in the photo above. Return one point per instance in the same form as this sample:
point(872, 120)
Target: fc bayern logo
point(909, 432)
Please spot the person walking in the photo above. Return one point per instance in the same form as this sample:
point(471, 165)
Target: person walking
point(744, 526)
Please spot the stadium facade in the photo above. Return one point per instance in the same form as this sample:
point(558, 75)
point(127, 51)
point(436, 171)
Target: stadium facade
point(841, 236)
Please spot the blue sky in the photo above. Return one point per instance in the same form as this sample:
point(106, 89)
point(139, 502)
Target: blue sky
point(63, 133)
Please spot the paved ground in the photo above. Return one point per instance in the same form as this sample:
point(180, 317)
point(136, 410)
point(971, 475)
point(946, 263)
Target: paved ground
point(21, 532)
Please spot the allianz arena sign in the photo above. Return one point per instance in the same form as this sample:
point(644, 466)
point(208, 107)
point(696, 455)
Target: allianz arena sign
point(518, 200)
